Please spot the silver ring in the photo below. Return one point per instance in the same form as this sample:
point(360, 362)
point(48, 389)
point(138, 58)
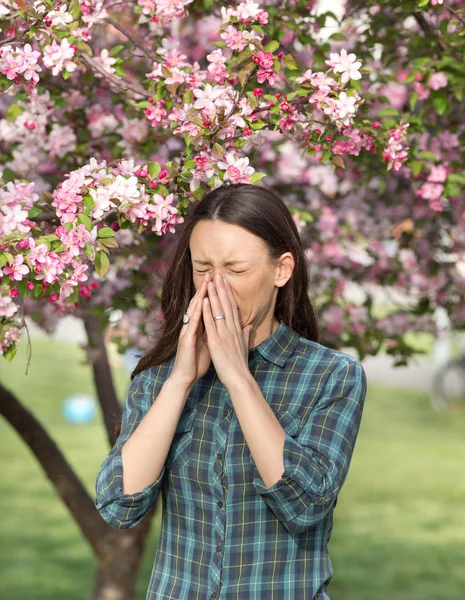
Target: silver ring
point(186, 318)
point(219, 317)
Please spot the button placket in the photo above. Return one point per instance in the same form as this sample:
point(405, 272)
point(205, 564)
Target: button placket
point(220, 483)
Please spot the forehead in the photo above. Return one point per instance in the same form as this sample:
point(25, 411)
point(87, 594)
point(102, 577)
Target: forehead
point(226, 243)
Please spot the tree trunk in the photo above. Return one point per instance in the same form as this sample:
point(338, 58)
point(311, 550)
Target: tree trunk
point(119, 560)
point(118, 552)
point(103, 378)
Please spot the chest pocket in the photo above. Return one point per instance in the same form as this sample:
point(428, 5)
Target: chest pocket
point(289, 422)
point(178, 454)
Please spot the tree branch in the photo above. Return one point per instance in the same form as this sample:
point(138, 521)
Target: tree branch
point(64, 479)
point(132, 39)
point(119, 83)
point(103, 377)
point(428, 29)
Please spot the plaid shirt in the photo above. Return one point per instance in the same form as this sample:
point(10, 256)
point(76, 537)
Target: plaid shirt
point(224, 533)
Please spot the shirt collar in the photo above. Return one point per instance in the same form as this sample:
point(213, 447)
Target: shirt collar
point(279, 346)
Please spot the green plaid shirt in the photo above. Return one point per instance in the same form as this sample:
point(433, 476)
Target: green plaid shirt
point(224, 533)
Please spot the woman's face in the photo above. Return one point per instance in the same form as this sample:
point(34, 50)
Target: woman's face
point(239, 256)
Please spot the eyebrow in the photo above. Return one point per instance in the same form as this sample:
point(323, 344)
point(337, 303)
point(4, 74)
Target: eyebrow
point(229, 262)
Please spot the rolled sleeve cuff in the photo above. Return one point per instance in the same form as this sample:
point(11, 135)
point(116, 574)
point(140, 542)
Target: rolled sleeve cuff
point(117, 508)
point(298, 486)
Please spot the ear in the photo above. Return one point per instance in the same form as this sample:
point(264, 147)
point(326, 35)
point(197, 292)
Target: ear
point(285, 268)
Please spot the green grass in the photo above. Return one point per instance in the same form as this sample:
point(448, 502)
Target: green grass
point(399, 525)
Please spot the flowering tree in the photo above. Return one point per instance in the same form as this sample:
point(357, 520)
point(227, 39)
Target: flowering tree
point(118, 115)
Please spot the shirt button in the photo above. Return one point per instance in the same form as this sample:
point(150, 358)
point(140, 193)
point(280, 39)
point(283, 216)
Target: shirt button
point(219, 456)
point(213, 594)
point(218, 547)
point(225, 412)
point(220, 503)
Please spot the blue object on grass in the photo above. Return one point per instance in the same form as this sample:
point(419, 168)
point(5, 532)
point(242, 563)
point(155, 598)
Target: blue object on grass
point(79, 408)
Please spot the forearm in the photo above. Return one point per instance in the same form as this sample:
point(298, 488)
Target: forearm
point(144, 452)
point(262, 430)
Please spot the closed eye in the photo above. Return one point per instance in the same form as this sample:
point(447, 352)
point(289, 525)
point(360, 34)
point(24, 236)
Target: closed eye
point(202, 272)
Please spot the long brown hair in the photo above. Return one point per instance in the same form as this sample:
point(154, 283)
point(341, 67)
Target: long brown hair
point(261, 212)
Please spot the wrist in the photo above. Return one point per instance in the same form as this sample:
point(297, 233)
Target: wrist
point(179, 384)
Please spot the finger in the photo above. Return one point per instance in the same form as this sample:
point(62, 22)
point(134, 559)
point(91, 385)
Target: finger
point(195, 309)
point(235, 308)
point(216, 306)
point(225, 302)
point(208, 320)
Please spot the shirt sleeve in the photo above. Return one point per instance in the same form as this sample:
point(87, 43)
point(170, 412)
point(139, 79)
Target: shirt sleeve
point(120, 510)
point(317, 459)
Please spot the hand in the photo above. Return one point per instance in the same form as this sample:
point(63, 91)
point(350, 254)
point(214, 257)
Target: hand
point(193, 355)
point(227, 341)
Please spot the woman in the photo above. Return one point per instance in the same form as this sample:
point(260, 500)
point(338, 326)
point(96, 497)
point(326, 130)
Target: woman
point(242, 420)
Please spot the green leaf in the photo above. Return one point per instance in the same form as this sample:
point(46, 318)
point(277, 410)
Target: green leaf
point(37, 290)
point(154, 169)
point(85, 220)
point(390, 123)
point(256, 177)
point(105, 232)
point(441, 104)
point(388, 112)
point(10, 353)
point(338, 37)
point(199, 192)
point(102, 263)
point(415, 166)
point(244, 72)
point(13, 112)
point(33, 212)
point(426, 154)
point(290, 62)
point(456, 177)
point(452, 189)
point(116, 50)
point(325, 155)
point(89, 250)
point(106, 243)
point(413, 100)
point(271, 46)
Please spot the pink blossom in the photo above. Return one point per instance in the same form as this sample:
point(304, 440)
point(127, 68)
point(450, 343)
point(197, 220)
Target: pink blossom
point(437, 174)
point(233, 38)
point(396, 93)
point(7, 307)
point(249, 11)
point(37, 253)
point(237, 169)
point(206, 98)
point(346, 64)
point(156, 114)
point(79, 271)
point(422, 91)
point(345, 105)
point(106, 61)
point(58, 56)
point(438, 80)
point(17, 269)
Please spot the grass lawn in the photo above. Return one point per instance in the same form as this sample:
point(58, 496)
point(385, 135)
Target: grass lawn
point(399, 525)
